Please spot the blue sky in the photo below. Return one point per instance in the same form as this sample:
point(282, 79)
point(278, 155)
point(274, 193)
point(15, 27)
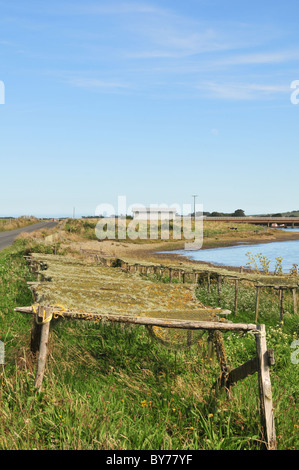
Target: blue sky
point(152, 100)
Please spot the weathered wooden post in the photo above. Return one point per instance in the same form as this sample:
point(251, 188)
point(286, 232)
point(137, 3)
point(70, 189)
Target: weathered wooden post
point(189, 338)
point(211, 349)
point(295, 300)
point(265, 389)
point(170, 275)
point(209, 283)
point(219, 347)
point(236, 296)
point(257, 302)
point(281, 295)
point(219, 289)
point(39, 341)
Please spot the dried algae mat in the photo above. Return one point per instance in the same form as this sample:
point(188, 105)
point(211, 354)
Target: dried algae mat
point(81, 286)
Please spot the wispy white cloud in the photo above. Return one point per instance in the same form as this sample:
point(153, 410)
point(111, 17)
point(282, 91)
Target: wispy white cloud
point(96, 84)
point(273, 57)
point(241, 91)
point(171, 42)
point(108, 8)
point(139, 46)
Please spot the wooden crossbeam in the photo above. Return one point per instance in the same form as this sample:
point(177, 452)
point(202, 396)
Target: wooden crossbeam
point(246, 369)
point(167, 323)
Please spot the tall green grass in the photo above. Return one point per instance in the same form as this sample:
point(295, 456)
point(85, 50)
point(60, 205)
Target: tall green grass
point(280, 336)
point(108, 387)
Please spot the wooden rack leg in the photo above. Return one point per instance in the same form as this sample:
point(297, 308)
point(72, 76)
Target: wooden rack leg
point(43, 318)
point(221, 356)
point(265, 389)
point(189, 338)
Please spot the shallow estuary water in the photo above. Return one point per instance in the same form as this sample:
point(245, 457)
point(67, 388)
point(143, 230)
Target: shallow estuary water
point(236, 255)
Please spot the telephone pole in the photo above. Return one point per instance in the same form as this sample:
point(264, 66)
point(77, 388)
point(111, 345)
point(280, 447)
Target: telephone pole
point(194, 197)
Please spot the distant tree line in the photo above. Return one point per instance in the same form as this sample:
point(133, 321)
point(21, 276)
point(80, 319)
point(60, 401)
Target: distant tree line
point(237, 213)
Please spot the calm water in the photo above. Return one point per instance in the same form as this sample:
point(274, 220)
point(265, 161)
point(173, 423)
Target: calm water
point(236, 255)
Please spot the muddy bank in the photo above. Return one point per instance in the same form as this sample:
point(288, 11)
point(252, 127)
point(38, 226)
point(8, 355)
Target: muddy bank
point(155, 251)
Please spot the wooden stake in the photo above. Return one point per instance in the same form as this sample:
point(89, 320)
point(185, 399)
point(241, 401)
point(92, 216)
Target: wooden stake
point(295, 300)
point(281, 294)
point(265, 389)
point(257, 302)
point(43, 318)
point(211, 349)
point(209, 283)
point(221, 355)
point(219, 289)
point(35, 336)
point(189, 338)
point(236, 296)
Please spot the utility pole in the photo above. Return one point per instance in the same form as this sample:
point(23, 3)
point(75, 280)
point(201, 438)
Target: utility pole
point(194, 196)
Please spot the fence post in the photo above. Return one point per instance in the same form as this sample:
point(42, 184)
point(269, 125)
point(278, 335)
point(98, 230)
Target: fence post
point(281, 295)
point(236, 296)
point(219, 289)
point(295, 300)
point(209, 283)
point(257, 302)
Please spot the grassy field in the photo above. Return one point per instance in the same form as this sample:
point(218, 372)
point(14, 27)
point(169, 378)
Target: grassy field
point(14, 224)
point(114, 388)
point(166, 230)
